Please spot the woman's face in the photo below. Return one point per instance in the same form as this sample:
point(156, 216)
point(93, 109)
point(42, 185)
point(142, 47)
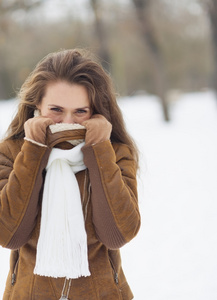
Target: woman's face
point(65, 103)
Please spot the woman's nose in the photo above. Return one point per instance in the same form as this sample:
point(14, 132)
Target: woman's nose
point(68, 118)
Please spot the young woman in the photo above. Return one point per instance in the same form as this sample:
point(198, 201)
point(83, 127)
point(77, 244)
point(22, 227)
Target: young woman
point(68, 193)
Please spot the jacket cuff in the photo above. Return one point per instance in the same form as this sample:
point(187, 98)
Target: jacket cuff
point(34, 142)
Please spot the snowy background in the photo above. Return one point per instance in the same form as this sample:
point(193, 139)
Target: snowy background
point(174, 256)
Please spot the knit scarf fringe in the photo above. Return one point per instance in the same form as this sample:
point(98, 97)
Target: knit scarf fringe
point(62, 244)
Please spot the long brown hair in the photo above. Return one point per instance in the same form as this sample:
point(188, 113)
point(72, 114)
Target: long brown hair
point(73, 66)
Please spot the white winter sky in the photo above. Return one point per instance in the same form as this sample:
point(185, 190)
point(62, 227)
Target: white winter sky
point(54, 10)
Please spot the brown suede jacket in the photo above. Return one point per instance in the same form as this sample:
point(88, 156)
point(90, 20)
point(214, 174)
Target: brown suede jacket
point(109, 198)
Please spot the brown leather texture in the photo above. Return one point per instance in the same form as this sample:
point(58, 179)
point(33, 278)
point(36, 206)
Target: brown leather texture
point(21, 166)
point(54, 139)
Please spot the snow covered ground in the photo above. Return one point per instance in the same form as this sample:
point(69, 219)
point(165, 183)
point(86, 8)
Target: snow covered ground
point(174, 256)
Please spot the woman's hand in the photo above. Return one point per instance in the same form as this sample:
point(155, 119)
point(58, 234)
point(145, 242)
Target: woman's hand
point(35, 129)
point(98, 130)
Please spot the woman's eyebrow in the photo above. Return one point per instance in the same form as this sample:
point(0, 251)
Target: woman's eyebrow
point(55, 105)
point(83, 107)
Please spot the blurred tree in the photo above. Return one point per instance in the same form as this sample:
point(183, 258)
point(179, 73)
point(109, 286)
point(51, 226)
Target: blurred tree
point(149, 36)
point(7, 8)
point(26, 35)
point(101, 35)
point(211, 8)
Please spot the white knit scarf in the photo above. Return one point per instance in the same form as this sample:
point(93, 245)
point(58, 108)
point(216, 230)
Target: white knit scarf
point(62, 244)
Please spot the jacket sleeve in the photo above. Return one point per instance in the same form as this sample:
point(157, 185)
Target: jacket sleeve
point(21, 179)
point(112, 172)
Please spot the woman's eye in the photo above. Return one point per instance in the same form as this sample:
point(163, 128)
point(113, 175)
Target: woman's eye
point(56, 109)
point(81, 111)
